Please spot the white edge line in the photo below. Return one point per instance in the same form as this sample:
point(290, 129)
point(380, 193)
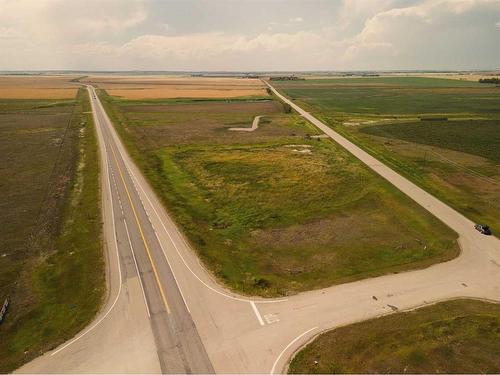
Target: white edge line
point(117, 254)
point(137, 268)
point(288, 346)
point(257, 313)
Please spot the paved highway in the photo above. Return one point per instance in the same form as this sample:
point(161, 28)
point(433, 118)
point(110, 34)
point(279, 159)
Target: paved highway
point(165, 313)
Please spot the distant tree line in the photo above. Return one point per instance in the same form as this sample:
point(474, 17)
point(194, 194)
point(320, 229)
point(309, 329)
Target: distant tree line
point(286, 78)
point(490, 80)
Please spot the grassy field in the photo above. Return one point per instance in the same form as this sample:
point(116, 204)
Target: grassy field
point(450, 337)
point(51, 263)
point(457, 160)
point(274, 211)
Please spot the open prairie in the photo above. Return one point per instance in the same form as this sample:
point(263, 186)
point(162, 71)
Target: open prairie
point(37, 87)
point(51, 261)
point(443, 134)
point(277, 210)
point(165, 87)
point(450, 337)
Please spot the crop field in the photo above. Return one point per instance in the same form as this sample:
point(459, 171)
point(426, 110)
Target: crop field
point(177, 87)
point(452, 153)
point(50, 267)
point(457, 337)
point(37, 87)
point(274, 211)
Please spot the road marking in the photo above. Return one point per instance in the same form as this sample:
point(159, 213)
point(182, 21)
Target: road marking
point(288, 346)
point(173, 273)
point(271, 318)
point(155, 272)
point(158, 239)
point(257, 313)
point(137, 268)
point(117, 256)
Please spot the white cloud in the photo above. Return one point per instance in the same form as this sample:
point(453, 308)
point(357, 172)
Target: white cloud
point(380, 35)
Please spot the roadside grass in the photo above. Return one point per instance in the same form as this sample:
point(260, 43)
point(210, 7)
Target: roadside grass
point(51, 206)
point(382, 116)
point(274, 212)
point(458, 336)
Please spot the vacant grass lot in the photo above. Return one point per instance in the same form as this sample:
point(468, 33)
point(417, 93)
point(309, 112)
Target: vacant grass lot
point(274, 211)
point(450, 337)
point(456, 160)
point(51, 262)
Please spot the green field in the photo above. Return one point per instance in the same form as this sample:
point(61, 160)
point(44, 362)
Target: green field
point(274, 211)
point(457, 160)
point(51, 264)
point(459, 336)
point(394, 96)
point(476, 137)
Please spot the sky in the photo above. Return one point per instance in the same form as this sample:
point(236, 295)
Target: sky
point(249, 35)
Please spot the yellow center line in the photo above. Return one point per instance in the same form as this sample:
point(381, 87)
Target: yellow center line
point(142, 234)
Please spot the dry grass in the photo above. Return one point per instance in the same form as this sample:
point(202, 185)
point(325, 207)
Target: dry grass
point(37, 87)
point(164, 87)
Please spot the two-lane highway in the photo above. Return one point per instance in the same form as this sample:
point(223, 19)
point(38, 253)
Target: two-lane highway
point(179, 346)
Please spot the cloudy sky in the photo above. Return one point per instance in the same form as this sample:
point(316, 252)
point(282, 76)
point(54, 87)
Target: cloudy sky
point(249, 34)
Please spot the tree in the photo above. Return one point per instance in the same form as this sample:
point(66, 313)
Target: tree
point(490, 80)
point(287, 108)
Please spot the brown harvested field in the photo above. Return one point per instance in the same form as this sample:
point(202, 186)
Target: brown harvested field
point(50, 267)
point(37, 87)
point(165, 87)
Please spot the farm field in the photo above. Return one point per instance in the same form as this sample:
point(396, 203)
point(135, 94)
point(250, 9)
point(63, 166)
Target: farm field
point(168, 87)
point(50, 266)
point(452, 153)
point(458, 336)
point(37, 87)
point(275, 211)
